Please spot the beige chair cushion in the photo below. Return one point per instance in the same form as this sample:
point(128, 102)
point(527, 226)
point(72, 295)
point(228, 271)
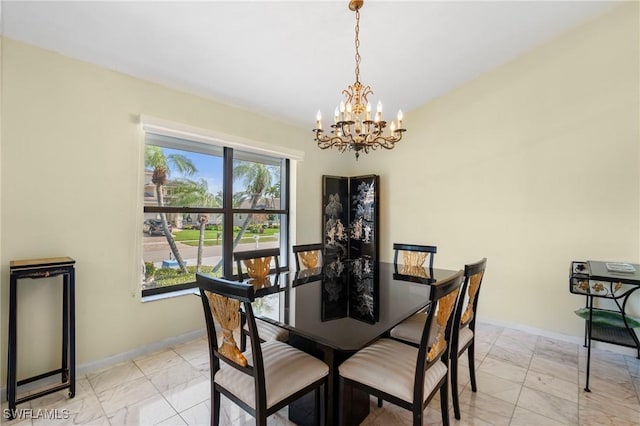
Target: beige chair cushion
point(410, 330)
point(464, 337)
point(390, 366)
point(286, 370)
point(268, 331)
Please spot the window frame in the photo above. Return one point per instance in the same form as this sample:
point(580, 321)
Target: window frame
point(227, 211)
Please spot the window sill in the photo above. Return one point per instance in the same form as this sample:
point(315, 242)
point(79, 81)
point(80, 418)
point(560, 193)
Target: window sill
point(194, 291)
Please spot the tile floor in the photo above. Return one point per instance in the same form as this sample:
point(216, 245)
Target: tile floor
point(523, 379)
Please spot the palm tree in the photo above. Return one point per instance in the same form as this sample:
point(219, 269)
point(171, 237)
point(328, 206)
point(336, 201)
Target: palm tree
point(190, 193)
point(154, 157)
point(256, 179)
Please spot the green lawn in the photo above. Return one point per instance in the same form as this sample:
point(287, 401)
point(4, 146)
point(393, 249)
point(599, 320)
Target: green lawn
point(214, 238)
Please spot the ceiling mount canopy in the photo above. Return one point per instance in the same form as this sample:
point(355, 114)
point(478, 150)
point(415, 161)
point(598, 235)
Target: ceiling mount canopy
point(354, 127)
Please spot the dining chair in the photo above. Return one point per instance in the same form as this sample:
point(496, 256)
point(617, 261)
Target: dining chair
point(256, 264)
point(414, 254)
point(403, 374)
point(464, 327)
point(413, 258)
point(264, 379)
point(308, 256)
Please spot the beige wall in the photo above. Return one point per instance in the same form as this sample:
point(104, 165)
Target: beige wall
point(532, 164)
point(71, 172)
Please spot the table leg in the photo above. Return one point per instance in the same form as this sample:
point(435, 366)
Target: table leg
point(72, 333)
point(12, 357)
point(590, 325)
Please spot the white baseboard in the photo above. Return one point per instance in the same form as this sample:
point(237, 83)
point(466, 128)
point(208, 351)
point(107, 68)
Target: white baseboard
point(579, 340)
point(112, 360)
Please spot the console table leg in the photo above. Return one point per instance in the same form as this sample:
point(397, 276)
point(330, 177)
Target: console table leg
point(12, 358)
point(586, 387)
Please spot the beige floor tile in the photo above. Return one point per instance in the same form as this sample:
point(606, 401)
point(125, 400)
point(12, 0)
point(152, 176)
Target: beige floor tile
point(176, 421)
point(548, 405)
point(593, 415)
point(157, 361)
point(176, 375)
point(512, 354)
point(117, 397)
point(633, 364)
point(116, 375)
point(496, 387)
point(602, 389)
point(189, 393)
point(149, 411)
point(192, 349)
point(522, 379)
point(543, 364)
point(484, 408)
point(524, 417)
point(552, 385)
point(502, 369)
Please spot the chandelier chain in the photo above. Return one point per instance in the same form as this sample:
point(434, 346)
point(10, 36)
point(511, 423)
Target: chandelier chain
point(358, 57)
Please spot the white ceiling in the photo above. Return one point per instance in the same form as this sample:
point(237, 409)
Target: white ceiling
point(288, 59)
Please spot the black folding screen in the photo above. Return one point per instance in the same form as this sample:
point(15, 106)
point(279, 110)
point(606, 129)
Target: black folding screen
point(350, 209)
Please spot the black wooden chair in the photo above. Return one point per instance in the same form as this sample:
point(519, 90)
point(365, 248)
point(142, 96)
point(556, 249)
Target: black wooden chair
point(403, 374)
point(256, 265)
point(308, 256)
point(414, 257)
point(464, 328)
point(263, 380)
point(414, 254)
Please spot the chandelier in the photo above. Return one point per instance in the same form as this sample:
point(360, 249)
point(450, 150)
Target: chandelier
point(354, 126)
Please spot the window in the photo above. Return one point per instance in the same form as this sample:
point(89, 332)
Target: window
point(202, 203)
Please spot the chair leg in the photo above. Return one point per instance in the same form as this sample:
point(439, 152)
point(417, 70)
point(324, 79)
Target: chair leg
point(453, 363)
point(444, 403)
point(215, 408)
point(472, 365)
point(317, 397)
point(379, 402)
point(417, 416)
point(243, 340)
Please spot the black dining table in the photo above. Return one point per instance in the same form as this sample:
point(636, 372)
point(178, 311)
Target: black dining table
point(334, 310)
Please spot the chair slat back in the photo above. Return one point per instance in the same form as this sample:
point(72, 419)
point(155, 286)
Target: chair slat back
point(221, 300)
point(437, 327)
point(308, 256)
point(257, 263)
point(473, 275)
point(414, 255)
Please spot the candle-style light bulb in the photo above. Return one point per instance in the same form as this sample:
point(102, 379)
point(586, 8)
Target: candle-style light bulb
point(319, 120)
point(336, 116)
point(400, 117)
point(368, 116)
point(342, 108)
point(379, 111)
point(392, 128)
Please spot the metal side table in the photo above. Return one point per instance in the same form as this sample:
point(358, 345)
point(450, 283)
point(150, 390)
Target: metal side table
point(606, 280)
point(34, 269)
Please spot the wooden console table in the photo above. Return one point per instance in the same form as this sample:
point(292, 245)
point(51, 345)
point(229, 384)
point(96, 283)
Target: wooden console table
point(43, 268)
point(615, 282)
